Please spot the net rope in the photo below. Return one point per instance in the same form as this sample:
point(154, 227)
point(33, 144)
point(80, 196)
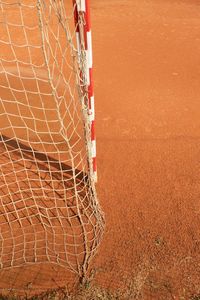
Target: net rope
point(49, 211)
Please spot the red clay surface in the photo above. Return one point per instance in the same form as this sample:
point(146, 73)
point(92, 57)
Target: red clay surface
point(147, 57)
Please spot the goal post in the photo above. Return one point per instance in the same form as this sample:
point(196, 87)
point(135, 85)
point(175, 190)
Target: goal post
point(49, 210)
point(84, 42)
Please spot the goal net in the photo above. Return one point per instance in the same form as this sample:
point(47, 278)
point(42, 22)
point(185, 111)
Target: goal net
point(49, 212)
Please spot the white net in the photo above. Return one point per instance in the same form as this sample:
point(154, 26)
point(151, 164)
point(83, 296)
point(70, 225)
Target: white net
point(49, 212)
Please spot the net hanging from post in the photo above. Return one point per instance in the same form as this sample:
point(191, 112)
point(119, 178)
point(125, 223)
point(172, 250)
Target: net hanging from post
point(49, 212)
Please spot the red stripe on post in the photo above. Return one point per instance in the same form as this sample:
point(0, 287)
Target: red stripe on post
point(87, 26)
point(94, 161)
point(91, 86)
point(92, 131)
point(87, 15)
point(85, 36)
point(75, 15)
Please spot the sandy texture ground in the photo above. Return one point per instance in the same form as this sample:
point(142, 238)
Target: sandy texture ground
point(147, 55)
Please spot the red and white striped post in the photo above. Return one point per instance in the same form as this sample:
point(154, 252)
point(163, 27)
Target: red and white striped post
point(82, 9)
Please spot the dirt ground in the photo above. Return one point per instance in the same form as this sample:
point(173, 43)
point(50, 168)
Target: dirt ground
point(147, 57)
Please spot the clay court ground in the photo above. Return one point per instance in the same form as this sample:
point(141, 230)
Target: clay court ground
point(147, 74)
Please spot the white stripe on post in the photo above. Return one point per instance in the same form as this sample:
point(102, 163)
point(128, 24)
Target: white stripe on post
point(92, 112)
point(87, 71)
point(89, 46)
point(93, 148)
point(81, 7)
point(78, 46)
point(95, 176)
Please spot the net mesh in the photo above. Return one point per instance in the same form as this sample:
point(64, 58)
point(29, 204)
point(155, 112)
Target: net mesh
point(49, 212)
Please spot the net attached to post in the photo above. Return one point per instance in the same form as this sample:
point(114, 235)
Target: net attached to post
point(49, 212)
